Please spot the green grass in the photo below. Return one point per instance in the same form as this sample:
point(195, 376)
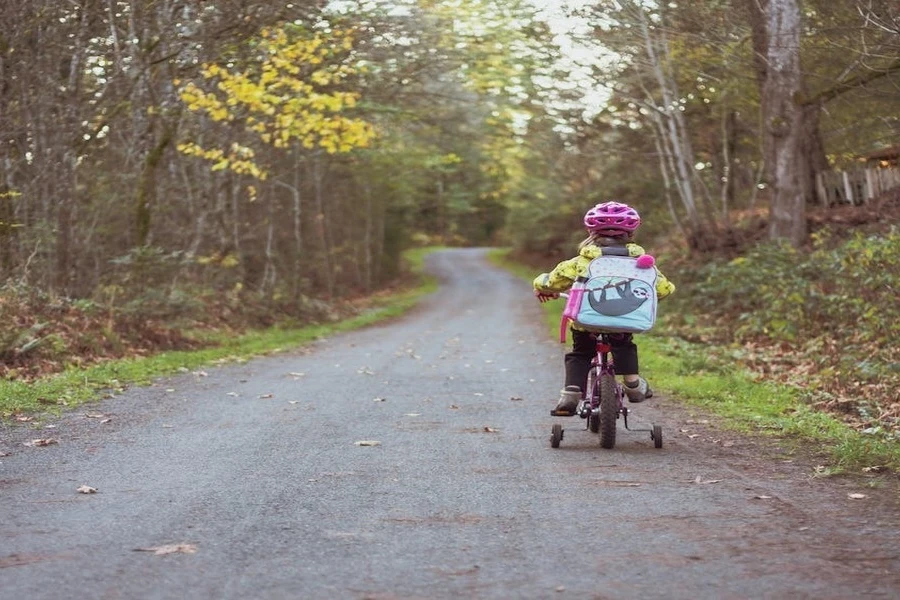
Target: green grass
point(80, 385)
point(685, 372)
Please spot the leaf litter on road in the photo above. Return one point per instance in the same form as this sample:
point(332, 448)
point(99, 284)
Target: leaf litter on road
point(700, 481)
point(86, 489)
point(170, 549)
point(41, 442)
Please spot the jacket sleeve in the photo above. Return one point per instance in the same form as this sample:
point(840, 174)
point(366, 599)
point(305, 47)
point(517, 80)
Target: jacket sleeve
point(664, 287)
point(559, 279)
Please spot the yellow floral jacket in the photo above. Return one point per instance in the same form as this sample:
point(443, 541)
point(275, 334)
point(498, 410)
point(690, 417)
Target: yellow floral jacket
point(563, 276)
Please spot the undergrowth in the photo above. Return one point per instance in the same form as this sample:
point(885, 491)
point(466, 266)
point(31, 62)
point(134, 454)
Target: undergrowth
point(823, 320)
point(77, 383)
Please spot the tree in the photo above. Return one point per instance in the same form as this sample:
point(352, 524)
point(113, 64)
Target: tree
point(786, 123)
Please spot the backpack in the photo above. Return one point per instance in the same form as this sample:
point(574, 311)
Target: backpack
point(615, 295)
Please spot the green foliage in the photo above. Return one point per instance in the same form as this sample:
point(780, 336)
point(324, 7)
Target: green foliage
point(825, 321)
point(846, 291)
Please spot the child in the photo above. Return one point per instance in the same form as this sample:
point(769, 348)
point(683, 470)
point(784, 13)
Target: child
point(608, 224)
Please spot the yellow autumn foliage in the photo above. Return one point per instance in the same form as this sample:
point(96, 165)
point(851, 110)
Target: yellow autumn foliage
point(288, 96)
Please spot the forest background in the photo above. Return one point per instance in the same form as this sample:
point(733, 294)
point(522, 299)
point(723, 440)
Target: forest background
point(174, 169)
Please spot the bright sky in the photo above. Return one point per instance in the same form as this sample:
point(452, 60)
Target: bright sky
point(577, 58)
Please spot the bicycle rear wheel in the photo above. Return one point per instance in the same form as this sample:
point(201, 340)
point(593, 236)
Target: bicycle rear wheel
point(609, 411)
point(593, 391)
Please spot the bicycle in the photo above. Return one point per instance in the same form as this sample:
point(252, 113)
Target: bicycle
point(606, 402)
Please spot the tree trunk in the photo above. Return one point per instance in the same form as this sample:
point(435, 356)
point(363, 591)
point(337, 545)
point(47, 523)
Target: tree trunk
point(785, 124)
point(146, 194)
point(729, 141)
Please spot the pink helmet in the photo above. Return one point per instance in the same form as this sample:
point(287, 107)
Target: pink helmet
point(612, 218)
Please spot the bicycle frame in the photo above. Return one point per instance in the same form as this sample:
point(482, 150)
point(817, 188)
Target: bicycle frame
point(602, 364)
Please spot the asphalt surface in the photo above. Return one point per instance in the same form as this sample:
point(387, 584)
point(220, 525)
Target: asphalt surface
point(248, 481)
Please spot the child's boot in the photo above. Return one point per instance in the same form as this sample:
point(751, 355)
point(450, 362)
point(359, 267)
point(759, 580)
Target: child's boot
point(637, 391)
point(568, 401)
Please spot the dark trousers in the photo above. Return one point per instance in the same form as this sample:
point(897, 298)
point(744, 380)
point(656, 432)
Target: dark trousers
point(584, 348)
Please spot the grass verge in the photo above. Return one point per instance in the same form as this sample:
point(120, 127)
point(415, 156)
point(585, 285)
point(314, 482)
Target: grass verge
point(77, 386)
point(743, 403)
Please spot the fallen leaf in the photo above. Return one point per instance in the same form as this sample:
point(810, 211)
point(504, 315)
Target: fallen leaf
point(264, 396)
point(702, 481)
point(95, 416)
point(454, 407)
point(298, 375)
point(293, 401)
point(368, 443)
point(41, 442)
point(490, 430)
point(763, 497)
point(231, 394)
point(516, 399)
point(2, 453)
point(201, 374)
point(170, 549)
point(727, 444)
point(86, 489)
point(857, 496)
point(105, 421)
point(24, 419)
point(693, 435)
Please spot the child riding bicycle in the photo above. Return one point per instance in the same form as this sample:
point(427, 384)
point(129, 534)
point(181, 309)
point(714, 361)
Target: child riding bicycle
point(610, 225)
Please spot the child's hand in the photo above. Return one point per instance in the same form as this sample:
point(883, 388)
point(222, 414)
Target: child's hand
point(545, 296)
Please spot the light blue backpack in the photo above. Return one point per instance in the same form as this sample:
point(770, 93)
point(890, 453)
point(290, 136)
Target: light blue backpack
point(617, 294)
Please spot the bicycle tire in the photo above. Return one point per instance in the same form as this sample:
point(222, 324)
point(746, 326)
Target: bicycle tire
point(556, 435)
point(609, 411)
point(593, 390)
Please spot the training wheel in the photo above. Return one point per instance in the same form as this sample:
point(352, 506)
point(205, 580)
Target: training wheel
point(656, 436)
point(556, 435)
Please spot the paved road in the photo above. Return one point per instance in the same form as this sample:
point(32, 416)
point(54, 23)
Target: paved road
point(253, 472)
